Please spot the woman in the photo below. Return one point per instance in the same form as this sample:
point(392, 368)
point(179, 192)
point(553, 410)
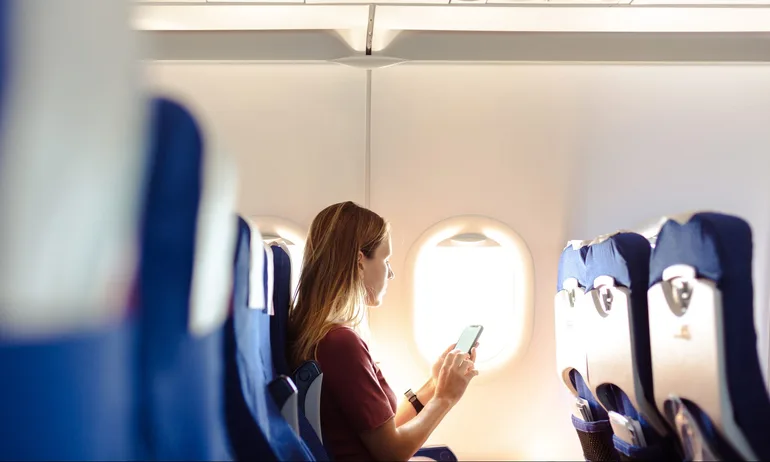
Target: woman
point(345, 271)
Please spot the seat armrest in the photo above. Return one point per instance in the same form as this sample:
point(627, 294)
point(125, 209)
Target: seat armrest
point(437, 453)
point(284, 394)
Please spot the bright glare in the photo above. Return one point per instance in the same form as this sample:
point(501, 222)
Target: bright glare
point(462, 285)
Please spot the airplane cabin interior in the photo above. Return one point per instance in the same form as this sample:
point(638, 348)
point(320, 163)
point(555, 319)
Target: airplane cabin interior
point(585, 179)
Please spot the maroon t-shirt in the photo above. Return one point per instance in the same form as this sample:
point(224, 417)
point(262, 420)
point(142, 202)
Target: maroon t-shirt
point(355, 397)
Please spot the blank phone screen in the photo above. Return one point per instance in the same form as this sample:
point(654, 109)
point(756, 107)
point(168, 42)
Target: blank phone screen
point(468, 338)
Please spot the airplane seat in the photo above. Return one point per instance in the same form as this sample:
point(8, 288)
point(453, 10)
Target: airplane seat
point(618, 345)
point(257, 427)
point(67, 242)
point(281, 306)
point(589, 418)
point(184, 290)
point(706, 371)
point(278, 341)
point(309, 379)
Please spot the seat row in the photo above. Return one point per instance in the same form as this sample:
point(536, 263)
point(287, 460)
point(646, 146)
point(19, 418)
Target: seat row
point(136, 322)
point(656, 341)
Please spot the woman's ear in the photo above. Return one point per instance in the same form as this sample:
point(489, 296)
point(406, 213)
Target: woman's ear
point(360, 260)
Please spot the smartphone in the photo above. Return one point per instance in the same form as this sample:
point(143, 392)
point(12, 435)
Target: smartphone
point(469, 338)
point(628, 430)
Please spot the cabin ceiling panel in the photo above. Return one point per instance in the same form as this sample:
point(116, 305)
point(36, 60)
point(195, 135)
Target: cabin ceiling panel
point(652, 16)
point(245, 46)
point(439, 46)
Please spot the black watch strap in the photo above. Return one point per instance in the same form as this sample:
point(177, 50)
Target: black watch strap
point(413, 399)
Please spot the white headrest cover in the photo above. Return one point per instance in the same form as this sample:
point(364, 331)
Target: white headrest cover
point(257, 268)
point(72, 157)
point(270, 269)
point(212, 281)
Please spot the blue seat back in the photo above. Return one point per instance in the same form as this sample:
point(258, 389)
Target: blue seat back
point(625, 258)
point(278, 333)
point(572, 265)
point(281, 305)
point(71, 163)
point(181, 350)
point(719, 248)
point(595, 435)
point(266, 435)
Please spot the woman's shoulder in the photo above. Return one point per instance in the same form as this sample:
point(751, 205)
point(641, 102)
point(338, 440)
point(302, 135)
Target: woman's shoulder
point(341, 334)
point(341, 340)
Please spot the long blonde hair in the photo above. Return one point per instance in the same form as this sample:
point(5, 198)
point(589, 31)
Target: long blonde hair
point(331, 289)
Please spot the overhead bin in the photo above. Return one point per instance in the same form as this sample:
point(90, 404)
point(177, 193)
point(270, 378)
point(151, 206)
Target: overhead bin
point(495, 16)
point(607, 30)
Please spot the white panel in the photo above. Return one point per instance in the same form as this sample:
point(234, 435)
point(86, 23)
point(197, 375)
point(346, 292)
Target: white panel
point(250, 17)
point(555, 152)
point(572, 19)
point(479, 140)
point(297, 132)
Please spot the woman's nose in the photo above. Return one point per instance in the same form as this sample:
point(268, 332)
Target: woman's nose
point(391, 274)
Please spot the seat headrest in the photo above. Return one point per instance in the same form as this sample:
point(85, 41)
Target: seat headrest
point(71, 165)
point(190, 221)
point(718, 246)
point(572, 265)
point(624, 256)
point(259, 267)
point(215, 243)
point(269, 280)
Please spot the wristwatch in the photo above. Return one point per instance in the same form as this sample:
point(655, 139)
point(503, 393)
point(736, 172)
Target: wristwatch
point(413, 399)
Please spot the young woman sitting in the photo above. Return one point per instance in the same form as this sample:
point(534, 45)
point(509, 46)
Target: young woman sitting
point(346, 271)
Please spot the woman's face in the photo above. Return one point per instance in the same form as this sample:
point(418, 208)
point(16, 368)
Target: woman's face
point(376, 272)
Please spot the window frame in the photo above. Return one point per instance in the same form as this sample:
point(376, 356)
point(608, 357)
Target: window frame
point(524, 282)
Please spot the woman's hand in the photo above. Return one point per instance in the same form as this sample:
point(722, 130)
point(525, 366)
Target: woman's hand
point(454, 376)
point(434, 371)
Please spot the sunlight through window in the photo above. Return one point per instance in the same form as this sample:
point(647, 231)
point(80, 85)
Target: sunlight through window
point(471, 277)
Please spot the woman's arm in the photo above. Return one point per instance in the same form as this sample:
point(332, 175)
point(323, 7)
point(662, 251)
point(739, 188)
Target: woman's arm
point(389, 442)
point(406, 411)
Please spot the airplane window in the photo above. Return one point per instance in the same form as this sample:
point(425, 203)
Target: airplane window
point(277, 229)
point(478, 276)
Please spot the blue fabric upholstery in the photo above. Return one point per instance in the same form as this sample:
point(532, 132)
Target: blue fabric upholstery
point(626, 257)
point(437, 453)
point(181, 383)
point(65, 397)
point(572, 265)
point(281, 303)
point(719, 247)
point(69, 398)
point(266, 436)
point(278, 341)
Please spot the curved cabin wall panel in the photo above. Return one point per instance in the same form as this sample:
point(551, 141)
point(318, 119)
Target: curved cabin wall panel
point(553, 151)
point(297, 132)
point(556, 152)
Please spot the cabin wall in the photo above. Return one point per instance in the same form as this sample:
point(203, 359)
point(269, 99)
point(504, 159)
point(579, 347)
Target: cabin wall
point(555, 151)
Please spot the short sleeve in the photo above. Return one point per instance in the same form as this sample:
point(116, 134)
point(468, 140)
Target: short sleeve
point(349, 376)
